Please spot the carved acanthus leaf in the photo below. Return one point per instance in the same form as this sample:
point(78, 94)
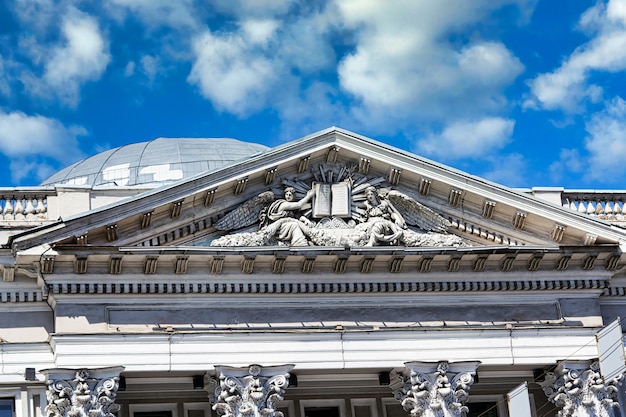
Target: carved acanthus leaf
point(577, 387)
point(82, 392)
point(252, 391)
point(434, 389)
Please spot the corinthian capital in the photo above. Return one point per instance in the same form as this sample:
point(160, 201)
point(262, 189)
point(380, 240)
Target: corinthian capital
point(432, 389)
point(251, 391)
point(577, 387)
point(82, 392)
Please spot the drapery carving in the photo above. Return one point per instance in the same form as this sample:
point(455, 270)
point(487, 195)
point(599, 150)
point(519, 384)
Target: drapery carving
point(434, 389)
point(251, 391)
point(577, 387)
point(82, 392)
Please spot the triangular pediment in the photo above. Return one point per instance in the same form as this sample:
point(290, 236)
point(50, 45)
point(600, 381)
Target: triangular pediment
point(192, 212)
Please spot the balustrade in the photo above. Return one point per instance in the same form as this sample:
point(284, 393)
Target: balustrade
point(603, 205)
point(24, 205)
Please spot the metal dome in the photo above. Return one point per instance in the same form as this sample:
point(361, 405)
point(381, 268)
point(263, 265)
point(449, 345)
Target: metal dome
point(155, 162)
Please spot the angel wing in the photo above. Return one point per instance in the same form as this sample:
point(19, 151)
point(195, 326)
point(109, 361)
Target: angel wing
point(417, 214)
point(246, 214)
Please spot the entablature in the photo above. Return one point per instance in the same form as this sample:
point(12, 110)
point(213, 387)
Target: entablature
point(289, 270)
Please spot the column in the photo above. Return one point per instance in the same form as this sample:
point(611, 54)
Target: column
point(252, 391)
point(434, 389)
point(578, 389)
point(82, 392)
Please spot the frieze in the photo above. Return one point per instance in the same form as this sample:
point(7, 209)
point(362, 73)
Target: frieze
point(335, 205)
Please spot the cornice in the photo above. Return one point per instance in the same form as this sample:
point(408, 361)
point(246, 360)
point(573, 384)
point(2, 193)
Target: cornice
point(604, 260)
point(129, 271)
point(340, 287)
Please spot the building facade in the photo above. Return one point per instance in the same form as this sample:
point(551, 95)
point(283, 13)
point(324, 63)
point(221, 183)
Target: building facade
point(330, 276)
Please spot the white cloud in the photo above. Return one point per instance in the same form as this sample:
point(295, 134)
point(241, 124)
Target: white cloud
point(150, 66)
point(21, 134)
point(568, 86)
point(259, 31)
point(606, 142)
point(145, 70)
point(80, 57)
point(23, 169)
point(404, 67)
point(616, 11)
point(263, 59)
point(469, 139)
point(27, 139)
point(253, 9)
point(511, 170)
point(39, 15)
point(129, 69)
point(5, 89)
point(605, 145)
point(570, 161)
point(154, 13)
point(229, 73)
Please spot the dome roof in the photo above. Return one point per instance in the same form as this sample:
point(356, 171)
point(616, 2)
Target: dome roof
point(155, 162)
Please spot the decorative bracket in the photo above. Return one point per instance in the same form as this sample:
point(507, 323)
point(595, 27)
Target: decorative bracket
point(146, 219)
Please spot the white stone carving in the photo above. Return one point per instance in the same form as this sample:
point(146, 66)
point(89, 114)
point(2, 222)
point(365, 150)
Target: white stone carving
point(434, 389)
point(577, 387)
point(337, 207)
point(82, 392)
point(251, 391)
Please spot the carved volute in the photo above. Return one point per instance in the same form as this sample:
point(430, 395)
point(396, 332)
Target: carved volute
point(251, 391)
point(434, 389)
point(578, 389)
point(82, 392)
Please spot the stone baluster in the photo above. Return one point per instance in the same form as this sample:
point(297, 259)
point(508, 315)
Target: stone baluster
point(608, 210)
point(434, 389)
point(599, 208)
point(82, 392)
point(578, 389)
point(42, 210)
point(251, 391)
point(8, 209)
point(617, 210)
point(19, 209)
point(582, 208)
point(29, 211)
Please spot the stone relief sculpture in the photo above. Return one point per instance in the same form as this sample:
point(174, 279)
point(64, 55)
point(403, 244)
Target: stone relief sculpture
point(281, 219)
point(337, 207)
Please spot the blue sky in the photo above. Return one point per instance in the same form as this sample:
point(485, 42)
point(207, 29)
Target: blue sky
point(521, 92)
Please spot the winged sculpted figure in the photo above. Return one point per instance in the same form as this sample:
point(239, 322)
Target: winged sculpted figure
point(335, 210)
